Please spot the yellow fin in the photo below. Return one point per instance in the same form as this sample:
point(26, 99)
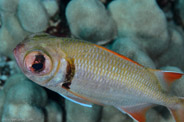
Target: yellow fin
point(119, 55)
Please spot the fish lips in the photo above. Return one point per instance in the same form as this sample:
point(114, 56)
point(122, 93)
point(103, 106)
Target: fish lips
point(19, 53)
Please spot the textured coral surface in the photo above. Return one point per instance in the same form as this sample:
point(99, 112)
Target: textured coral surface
point(147, 31)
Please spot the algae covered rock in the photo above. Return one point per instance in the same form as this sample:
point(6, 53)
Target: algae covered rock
point(19, 89)
point(2, 96)
point(20, 18)
point(89, 20)
point(129, 48)
point(30, 10)
point(143, 20)
point(11, 33)
point(180, 5)
point(51, 7)
point(22, 112)
point(78, 113)
point(54, 112)
point(111, 114)
point(8, 5)
point(26, 101)
point(173, 56)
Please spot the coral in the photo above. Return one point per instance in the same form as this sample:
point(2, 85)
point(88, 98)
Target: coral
point(78, 113)
point(129, 48)
point(2, 96)
point(54, 112)
point(26, 101)
point(111, 114)
point(139, 30)
point(180, 11)
point(37, 11)
point(20, 18)
point(90, 21)
point(146, 24)
point(173, 56)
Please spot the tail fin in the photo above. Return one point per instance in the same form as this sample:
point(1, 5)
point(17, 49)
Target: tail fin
point(178, 111)
point(166, 78)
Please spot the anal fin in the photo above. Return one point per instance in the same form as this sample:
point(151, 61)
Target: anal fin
point(136, 112)
point(177, 111)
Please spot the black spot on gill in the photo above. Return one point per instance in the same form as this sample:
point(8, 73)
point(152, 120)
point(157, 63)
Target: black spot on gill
point(66, 85)
point(70, 73)
point(70, 70)
point(39, 62)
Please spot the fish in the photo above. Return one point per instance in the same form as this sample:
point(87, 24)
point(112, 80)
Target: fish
point(87, 74)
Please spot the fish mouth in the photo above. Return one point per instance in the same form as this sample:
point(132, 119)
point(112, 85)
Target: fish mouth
point(17, 53)
point(17, 48)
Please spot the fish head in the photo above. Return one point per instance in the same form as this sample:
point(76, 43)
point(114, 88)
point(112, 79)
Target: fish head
point(42, 61)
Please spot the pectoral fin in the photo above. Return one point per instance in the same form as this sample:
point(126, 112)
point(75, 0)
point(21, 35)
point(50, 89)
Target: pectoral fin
point(77, 101)
point(80, 96)
point(136, 112)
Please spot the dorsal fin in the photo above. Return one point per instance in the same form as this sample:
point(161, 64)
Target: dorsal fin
point(171, 76)
point(77, 101)
point(166, 78)
point(117, 54)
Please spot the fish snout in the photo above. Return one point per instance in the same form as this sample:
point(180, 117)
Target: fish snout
point(17, 49)
point(18, 53)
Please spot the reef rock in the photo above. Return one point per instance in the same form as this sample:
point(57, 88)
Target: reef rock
point(89, 20)
point(142, 20)
point(130, 49)
point(51, 7)
point(20, 90)
point(180, 5)
point(78, 113)
point(32, 11)
point(19, 18)
point(2, 96)
point(111, 114)
point(54, 112)
point(22, 112)
point(173, 56)
point(26, 101)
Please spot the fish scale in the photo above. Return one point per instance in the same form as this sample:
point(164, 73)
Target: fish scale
point(81, 72)
point(125, 77)
point(89, 54)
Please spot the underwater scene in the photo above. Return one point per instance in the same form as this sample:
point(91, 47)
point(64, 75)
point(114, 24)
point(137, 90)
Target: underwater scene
point(91, 60)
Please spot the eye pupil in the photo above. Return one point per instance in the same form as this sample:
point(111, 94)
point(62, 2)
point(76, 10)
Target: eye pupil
point(37, 67)
point(38, 64)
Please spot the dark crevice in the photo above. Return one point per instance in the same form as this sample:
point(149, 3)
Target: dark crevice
point(58, 99)
point(172, 6)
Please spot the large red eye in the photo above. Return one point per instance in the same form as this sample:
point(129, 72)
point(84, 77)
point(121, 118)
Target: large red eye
point(38, 63)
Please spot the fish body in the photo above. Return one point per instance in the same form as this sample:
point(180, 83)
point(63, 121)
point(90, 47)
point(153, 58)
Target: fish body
point(88, 73)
